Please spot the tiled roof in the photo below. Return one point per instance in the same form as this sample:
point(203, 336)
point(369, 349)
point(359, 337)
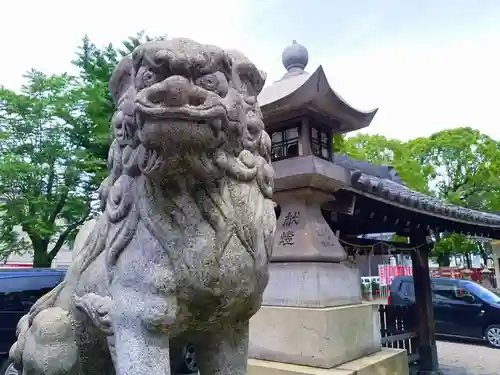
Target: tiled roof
point(383, 181)
point(395, 192)
point(379, 170)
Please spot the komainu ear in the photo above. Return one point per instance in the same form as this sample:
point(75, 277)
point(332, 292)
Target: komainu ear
point(263, 76)
point(247, 71)
point(121, 78)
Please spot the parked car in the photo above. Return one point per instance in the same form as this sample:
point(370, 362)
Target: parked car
point(462, 308)
point(21, 288)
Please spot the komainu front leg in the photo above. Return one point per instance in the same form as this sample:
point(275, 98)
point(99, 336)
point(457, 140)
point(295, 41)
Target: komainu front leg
point(140, 351)
point(140, 323)
point(224, 352)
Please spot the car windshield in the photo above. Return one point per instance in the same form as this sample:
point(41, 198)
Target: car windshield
point(482, 293)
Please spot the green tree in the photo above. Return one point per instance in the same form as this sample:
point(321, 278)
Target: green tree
point(467, 166)
point(46, 177)
point(55, 138)
point(459, 165)
point(378, 149)
point(453, 244)
point(466, 163)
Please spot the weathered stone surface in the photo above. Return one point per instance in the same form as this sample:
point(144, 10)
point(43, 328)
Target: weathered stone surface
point(302, 233)
point(312, 284)
point(82, 236)
point(259, 367)
point(384, 362)
point(181, 250)
point(309, 172)
point(316, 337)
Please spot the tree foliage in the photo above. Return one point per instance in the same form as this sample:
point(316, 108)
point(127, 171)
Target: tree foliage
point(54, 144)
point(378, 149)
point(460, 166)
point(466, 163)
point(452, 244)
point(46, 179)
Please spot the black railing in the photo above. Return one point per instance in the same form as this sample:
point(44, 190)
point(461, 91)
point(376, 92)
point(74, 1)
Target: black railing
point(397, 328)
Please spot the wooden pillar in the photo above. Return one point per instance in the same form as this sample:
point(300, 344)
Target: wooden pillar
point(425, 327)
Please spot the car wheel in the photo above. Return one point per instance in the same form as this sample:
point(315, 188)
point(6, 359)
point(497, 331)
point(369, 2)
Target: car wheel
point(8, 368)
point(492, 335)
point(189, 364)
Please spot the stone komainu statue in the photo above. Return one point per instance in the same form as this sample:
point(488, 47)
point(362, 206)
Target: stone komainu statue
point(182, 247)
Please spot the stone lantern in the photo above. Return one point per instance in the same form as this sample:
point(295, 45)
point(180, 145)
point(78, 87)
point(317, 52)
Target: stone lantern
point(312, 312)
point(302, 114)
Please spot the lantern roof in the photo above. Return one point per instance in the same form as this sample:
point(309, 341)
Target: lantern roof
point(298, 89)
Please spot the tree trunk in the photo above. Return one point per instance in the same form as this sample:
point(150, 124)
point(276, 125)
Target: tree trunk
point(485, 258)
point(443, 260)
point(41, 258)
point(484, 254)
point(468, 260)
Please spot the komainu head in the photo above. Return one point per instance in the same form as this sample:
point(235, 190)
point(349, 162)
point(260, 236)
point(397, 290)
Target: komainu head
point(190, 110)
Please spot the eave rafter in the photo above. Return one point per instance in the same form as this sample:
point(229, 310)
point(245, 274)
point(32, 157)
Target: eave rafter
point(372, 214)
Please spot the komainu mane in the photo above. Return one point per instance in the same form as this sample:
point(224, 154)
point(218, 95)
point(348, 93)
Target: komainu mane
point(182, 247)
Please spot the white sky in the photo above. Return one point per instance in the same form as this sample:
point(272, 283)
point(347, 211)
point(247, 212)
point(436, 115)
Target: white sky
point(428, 65)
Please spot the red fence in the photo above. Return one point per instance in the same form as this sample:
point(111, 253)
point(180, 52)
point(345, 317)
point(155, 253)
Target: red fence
point(387, 273)
point(15, 265)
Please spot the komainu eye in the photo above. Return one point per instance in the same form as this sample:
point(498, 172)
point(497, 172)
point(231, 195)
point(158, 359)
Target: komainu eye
point(208, 82)
point(144, 78)
point(148, 77)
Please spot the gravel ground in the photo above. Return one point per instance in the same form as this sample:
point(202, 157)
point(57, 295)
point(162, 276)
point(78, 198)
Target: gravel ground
point(468, 358)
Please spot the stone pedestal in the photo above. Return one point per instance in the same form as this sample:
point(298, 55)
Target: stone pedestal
point(319, 337)
point(312, 319)
point(312, 284)
point(384, 362)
